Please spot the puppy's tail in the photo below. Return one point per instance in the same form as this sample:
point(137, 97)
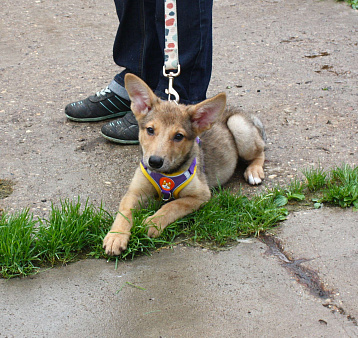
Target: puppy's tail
point(229, 111)
point(259, 125)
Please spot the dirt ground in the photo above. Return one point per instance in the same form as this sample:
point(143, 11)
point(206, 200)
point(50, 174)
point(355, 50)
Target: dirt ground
point(293, 63)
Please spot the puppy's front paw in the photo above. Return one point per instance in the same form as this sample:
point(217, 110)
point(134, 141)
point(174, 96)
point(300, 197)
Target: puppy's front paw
point(154, 229)
point(154, 232)
point(254, 174)
point(115, 242)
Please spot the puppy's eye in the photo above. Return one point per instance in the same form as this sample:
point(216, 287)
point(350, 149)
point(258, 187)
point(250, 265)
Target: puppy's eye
point(178, 137)
point(150, 131)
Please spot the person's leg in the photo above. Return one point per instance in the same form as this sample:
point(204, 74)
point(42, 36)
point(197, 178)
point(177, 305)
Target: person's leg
point(139, 45)
point(195, 56)
point(136, 46)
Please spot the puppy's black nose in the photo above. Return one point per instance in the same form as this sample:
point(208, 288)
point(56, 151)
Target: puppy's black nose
point(155, 162)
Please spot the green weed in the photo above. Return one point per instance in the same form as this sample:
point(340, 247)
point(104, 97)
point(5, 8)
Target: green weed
point(293, 192)
point(342, 188)
point(316, 179)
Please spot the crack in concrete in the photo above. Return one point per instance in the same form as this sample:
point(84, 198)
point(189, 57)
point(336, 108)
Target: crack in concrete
point(304, 275)
point(334, 308)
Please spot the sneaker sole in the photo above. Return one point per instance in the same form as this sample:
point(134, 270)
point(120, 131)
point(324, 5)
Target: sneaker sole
point(96, 119)
point(116, 140)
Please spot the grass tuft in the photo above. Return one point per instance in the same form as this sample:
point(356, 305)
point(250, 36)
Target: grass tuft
point(19, 252)
point(74, 230)
point(342, 188)
point(316, 179)
point(71, 230)
point(227, 216)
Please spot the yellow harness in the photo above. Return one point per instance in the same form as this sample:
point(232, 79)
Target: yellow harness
point(169, 186)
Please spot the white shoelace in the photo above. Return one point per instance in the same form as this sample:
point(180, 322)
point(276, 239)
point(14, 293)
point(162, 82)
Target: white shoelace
point(103, 92)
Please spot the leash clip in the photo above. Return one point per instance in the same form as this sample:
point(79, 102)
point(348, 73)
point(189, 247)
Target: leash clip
point(171, 91)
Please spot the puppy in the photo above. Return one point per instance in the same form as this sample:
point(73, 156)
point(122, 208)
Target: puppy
point(186, 150)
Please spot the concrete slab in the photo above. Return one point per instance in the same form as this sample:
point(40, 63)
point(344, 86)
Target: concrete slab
point(328, 240)
point(189, 292)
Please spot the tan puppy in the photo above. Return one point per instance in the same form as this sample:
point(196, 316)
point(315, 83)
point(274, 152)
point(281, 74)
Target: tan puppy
point(168, 139)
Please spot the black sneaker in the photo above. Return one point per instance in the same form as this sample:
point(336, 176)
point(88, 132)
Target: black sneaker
point(103, 105)
point(124, 130)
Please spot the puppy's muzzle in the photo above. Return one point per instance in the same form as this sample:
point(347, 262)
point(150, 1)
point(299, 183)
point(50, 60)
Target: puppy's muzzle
point(156, 162)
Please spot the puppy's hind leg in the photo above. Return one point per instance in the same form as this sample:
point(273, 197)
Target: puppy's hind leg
point(249, 137)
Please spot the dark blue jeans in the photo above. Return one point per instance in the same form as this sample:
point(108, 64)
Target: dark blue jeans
point(139, 45)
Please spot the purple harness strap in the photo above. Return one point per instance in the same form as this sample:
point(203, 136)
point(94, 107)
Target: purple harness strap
point(168, 184)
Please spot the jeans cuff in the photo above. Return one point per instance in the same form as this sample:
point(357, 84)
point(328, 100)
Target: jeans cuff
point(118, 89)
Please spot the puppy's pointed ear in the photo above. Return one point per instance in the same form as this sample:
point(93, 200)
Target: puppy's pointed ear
point(141, 96)
point(205, 113)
